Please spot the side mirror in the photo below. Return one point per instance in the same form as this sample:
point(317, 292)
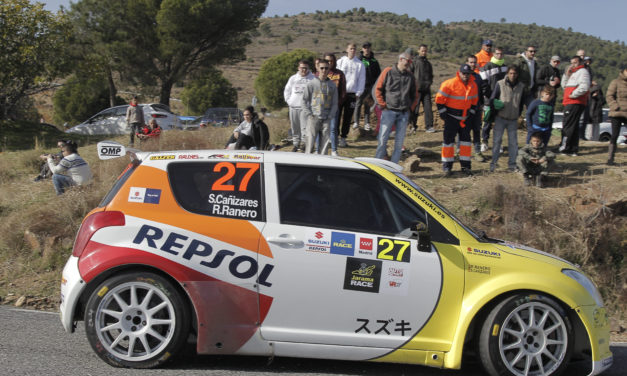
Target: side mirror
point(424, 238)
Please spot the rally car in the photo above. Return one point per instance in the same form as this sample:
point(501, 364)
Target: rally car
point(285, 254)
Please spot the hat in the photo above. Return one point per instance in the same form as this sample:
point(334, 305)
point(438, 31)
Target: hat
point(555, 58)
point(367, 44)
point(587, 58)
point(465, 68)
point(410, 51)
point(405, 55)
point(488, 42)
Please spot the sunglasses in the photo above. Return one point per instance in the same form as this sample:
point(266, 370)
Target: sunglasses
point(323, 68)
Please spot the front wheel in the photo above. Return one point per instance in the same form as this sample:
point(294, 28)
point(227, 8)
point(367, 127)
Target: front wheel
point(136, 320)
point(526, 335)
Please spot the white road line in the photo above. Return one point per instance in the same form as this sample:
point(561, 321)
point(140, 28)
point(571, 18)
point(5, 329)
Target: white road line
point(33, 311)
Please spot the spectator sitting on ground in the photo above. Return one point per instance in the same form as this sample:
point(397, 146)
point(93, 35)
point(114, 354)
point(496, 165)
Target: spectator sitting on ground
point(44, 171)
point(150, 131)
point(71, 170)
point(534, 160)
point(252, 133)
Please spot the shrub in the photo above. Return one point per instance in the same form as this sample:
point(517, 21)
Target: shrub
point(208, 89)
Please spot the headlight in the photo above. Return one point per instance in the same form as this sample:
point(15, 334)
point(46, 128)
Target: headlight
point(586, 283)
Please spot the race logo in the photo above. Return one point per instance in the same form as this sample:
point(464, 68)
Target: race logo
point(189, 156)
point(483, 252)
point(343, 243)
point(317, 241)
point(144, 195)
point(366, 247)
point(161, 157)
point(218, 156)
point(246, 157)
point(395, 279)
point(110, 149)
point(395, 272)
point(362, 275)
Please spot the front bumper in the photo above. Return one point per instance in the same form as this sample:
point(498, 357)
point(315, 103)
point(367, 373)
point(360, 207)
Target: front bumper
point(597, 325)
point(72, 285)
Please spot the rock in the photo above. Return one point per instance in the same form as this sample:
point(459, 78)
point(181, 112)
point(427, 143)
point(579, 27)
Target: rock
point(412, 163)
point(20, 302)
point(32, 241)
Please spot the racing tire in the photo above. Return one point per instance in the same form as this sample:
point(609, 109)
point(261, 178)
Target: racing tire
point(526, 334)
point(136, 320)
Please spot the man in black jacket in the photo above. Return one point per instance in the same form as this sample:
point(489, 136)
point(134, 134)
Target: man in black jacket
point(423, 72)
point(549, 75)
point(372, 73)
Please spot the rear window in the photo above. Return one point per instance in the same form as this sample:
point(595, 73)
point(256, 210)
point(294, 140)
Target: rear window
point(119, 183)
point(221, 189)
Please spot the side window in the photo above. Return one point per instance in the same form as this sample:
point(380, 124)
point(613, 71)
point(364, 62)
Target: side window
point(221, 189)
point(343, 199)
point(121, 111)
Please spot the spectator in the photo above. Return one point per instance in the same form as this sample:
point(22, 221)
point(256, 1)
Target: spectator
point(319, 106)
point(491, 73)
point(475, 121)
point(527, 68)
point(540, 115)
point(457, 103)
point(485, 55)
point(44, 170)
point(397, 95)
point(576, 84)
point(423, 72)
point(71, 170)
point(617, 101)
point(534, 161)
point(252, 133)
point(507, 101)
point(338, 78)
point(595, 105)
point(293, 95)
point(355, 74)
point(549, 75)
point(587, 60)
point(150, 131)
point(134, 118)
point(373, 70)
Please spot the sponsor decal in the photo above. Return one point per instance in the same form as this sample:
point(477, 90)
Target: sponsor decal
point(383, 326)
point(189, 156)
point(246, 157)
point(218, 156)
point(240, 266)
point(393, 249)
point(233, 206)
point(395, 279)
point(479, 269)
point(342, 243)
point(317, 241)
point(109, 150)
point(395, 272)
point(362, 275)
point(144, 195)
point(483, 252)
point(366, 247)
point(434, 209)
point(161, 157)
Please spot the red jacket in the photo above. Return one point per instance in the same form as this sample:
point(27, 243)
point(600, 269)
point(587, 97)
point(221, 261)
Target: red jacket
point(483, 58)
point(576, 86)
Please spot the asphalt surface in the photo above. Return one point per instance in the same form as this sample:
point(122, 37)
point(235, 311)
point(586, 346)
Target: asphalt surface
point(34, 343)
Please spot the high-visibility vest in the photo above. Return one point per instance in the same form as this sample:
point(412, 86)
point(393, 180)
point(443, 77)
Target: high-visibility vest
point(456, 99)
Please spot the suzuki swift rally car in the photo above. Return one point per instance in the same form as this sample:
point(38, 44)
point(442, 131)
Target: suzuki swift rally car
point(285, 254)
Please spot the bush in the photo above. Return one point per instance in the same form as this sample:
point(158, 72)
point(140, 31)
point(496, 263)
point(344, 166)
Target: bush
point(274, 74)
point(208, 89)
point(80, 98)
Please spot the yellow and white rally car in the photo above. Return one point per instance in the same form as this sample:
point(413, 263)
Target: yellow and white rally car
point(285, 254)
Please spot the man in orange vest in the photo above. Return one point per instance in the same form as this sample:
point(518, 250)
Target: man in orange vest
point(457, 103)
point(485, 55)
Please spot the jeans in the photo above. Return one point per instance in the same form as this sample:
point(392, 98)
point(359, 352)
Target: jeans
point(61, 182)
point(317, 129)
point(500, 125)
point(390, 118)
point(333, 125)
point(360, 102)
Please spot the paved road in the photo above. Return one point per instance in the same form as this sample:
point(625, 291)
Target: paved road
point(34, 343)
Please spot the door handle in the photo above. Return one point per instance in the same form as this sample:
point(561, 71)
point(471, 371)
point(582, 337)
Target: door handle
point(285, 241)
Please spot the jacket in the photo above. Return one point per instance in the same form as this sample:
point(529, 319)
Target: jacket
point(511, 96)
point(73, 166)
point(457, 99)
point(135, 114)
point(483, 87)
point(543, 77)
point(373, 69)
point(576, 84)
point(540, 116)
point(320, 99)
point(396, 90)
point(595, 104)
point(616, 96)
point(483, 58)
point(355, 73)
point(423, 71)
point(492, 73)
point(338, 78)
point(293, 92)
point(260, 134)
point(526, 74)
point(528, 152)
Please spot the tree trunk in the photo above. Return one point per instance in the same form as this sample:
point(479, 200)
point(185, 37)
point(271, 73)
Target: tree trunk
point(113, 91)
point(166, 89)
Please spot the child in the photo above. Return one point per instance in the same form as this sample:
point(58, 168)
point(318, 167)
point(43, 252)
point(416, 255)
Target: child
point(150, 131)
point(540, 115)
point(534, 160)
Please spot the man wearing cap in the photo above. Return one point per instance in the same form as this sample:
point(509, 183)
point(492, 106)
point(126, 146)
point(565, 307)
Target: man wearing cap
point(372, 73)
point(491, 73)
point(549, 75)
point(485, 55)
point(397, 95)
point(457, 103)
point(355, 74)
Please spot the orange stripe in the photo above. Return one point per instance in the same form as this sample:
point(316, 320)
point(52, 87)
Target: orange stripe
point(465, 150)
point(448, 152)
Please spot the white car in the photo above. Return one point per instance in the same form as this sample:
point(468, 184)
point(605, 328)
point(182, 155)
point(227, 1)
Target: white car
point(605, 128)
point(113, 120)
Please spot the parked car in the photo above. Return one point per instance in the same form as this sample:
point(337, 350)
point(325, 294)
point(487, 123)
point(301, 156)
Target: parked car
point(190, 122)
point(273, 254)
point(221, 117)
point(605, 127)
point(113, 120)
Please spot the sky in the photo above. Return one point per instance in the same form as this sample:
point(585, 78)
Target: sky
point(600, 18)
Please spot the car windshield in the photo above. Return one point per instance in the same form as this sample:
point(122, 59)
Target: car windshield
point(440, 207)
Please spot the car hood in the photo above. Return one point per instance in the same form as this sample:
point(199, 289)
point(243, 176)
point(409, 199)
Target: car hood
point(529, 252)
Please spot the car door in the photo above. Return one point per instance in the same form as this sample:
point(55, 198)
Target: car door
point(348, 271)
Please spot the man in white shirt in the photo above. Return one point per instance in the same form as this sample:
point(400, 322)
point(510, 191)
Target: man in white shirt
point(355, 73)
point(293, 95)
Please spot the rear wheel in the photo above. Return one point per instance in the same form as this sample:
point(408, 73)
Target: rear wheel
point(605, 137)
point(526, 335)
point(136, 320)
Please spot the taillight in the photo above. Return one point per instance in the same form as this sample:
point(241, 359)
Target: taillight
point(94, 223)
point(158, 116)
